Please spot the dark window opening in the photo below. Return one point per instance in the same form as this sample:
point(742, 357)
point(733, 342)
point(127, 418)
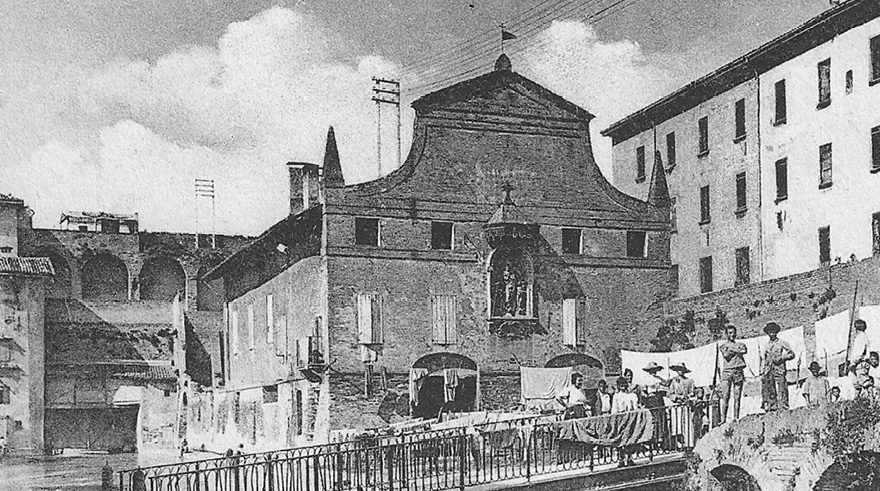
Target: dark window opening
point(670, 150)
point(635, 243)
point(741, 192)
point(83, 228)
point(109, 226)
point(825, 245)
point(875, 233)
point(825, 166)
point(640, 164)
point(781, 107)
point(703, 126)
point(875, 148)
point(441, 235)
point(780, 220)
point(705, 215)
point(875, 60)
point(673, 214)
point(706, 274)
point(781, 179)
point(571, 241)
point(366, 231)
point(743, 267)
point(824, 69)
point(270, 394)
point(674, 280)
point(849, 81)
point(740, 116)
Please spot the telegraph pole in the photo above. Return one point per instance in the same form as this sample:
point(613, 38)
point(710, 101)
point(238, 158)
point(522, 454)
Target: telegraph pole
point(385, 91)
point(205, 189)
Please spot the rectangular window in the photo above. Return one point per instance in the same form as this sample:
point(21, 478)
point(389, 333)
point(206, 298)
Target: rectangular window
point(875, 59)
point(705, 274)
point(875, 233)
point(370, 325)
point(825, 245)
point(235, 334)
point(743, 268)
point(270, 394)
point(250, 326)
point(366, 231)
point(670, 150)
point(781, 179)
point(849, 81)
point(825, 166)
point(741, 192)
point(703, 126)
point(573, 321)
point(875, 148)
point(781, 106)
point(740, 117)
point(674, 280)
point(444, 319)
point(571, 241)
point(673, 214)
point(705, 215)
point(270, 319)
point(824, 69)
point(640, 164)
point(635, 243)
point(441, 235)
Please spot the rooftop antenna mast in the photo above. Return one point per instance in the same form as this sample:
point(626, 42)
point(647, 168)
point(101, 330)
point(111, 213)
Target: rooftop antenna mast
point(386, 91)
point(205, 189)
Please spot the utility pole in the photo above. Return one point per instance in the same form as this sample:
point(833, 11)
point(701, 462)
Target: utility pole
point(385, 91)
point(205, 189)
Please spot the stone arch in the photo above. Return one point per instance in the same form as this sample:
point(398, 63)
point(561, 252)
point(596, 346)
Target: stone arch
point(161, 278)
point(210, 295)
point(104, 277)
point(431, 395)
point(730, 477)
point(856, 472)
point(588, 366)
point(61, 285)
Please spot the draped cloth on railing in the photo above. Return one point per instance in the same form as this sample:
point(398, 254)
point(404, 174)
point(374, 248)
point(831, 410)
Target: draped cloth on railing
point(613, 430)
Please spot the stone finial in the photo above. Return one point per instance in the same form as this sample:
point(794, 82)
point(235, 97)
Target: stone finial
point(332, 166)
point(503, 64)
point(658, 192)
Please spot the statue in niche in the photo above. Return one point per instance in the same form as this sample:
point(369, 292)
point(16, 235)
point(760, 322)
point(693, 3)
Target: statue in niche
point(510, 280)
point(510, 290)
point(521, 298)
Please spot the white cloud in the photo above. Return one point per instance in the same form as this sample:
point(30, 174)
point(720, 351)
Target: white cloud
point(610, 79)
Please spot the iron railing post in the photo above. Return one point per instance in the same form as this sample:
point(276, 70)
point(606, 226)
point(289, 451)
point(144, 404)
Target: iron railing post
point(528, 444)
point(462, 460)
point(270, 473)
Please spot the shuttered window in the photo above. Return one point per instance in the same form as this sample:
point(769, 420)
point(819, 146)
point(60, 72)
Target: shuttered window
point(824, 73)
point(825, 163)
point(670, 150)
point(574, 318)
point(270, 319)
point(250, 326)
point(640, 164)
point(781, 106)
point(875, 148)
point(370, 325)
point(444, 319)
point(235, 333)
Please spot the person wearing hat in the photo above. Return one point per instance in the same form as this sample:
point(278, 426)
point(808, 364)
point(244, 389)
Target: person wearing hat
point(816, 387)
point(860, 355)
point(681, 388)
point(774, 386)
point(732, 376)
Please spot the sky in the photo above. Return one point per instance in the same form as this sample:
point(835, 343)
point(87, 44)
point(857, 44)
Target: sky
point(118, 105)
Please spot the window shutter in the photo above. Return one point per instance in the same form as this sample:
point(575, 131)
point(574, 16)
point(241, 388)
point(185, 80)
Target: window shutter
point(365, 319)
point(250, 325)
point(378, 326)
point(443, 319)
point(235, 345)
point(569, 321)
point(270, 319)
point(451, 321)
point(281, 338)
point(582, 322)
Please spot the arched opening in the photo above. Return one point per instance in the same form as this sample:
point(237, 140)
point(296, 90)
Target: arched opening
point(586, 365)
point(734, 478)
point(210, 294)
point(854, 472)
point(511, 282)
point(161, 278)
point(60, 286)
point(105, 277)
point(443, 382)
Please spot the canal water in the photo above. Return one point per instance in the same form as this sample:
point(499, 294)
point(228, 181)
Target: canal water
point(77, 472)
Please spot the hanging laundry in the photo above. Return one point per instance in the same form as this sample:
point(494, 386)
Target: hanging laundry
point(539, 387)
point(871, 315)
point(416, 379)
point(703, 373)
point(450, 382)
point(832, 335)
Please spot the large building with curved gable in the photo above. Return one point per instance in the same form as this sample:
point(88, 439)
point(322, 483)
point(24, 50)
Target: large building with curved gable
point(496, 244)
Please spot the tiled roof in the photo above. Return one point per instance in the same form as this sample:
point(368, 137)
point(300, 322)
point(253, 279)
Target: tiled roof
point(92, 215)
point(26, 265)
point(149, 372)
point(137, 370)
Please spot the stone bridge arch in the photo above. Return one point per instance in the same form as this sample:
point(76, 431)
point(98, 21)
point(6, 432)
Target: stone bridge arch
point(782, 451)
point(729, 477)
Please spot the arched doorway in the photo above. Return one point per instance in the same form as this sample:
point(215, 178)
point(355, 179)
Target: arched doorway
point(855, 472)
point(161, 278)
point(734, 478)
point(105, 277)
point(443, 381)
point(586, 365)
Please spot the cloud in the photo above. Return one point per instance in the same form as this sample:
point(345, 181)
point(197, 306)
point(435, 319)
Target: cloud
point(235, 112)
point(611, 79)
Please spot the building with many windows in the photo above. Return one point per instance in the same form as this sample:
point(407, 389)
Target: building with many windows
point(497, 244)
point(771, 159)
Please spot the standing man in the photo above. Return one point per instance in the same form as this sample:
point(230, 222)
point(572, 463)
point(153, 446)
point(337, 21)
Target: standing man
point(773, 369)
point(732, 375)
point(816, 388)
point(860, 355)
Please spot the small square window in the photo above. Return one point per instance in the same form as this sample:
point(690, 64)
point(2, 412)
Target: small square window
point(441, 235)
point(571, 241)
point(635, 243)
point(366, 231)
point(270, 394)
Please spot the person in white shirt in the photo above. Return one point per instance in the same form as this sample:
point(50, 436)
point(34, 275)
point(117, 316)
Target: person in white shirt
point(623, 399)
point(859, 355)
point(573, 398)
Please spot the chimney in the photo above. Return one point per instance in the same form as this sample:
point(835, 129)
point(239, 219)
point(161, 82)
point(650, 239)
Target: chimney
point(13, 216)
point(304, 186)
